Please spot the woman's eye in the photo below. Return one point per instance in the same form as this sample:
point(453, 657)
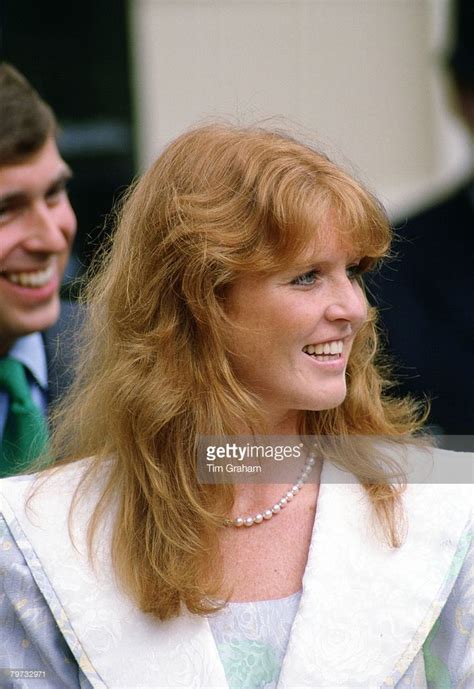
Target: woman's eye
point(355, 271)
point(306, 279)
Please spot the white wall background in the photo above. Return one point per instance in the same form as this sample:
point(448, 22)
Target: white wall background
point(363, 75)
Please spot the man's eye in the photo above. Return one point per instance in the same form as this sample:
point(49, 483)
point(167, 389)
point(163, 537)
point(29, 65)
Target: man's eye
point(53, 196)
point(56, 192)
point(6, 212)
point(306, 279)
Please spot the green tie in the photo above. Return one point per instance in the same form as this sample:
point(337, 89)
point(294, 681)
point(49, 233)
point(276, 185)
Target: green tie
point(25, 434)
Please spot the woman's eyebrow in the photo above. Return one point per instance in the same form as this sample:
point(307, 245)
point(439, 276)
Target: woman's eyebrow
point(322, 262)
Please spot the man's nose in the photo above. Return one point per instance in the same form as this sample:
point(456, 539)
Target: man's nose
point(47, 233)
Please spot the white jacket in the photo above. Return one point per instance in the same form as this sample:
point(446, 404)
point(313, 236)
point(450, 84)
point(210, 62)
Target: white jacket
point(365, 610)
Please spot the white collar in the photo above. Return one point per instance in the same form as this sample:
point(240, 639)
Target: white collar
point(30, 351)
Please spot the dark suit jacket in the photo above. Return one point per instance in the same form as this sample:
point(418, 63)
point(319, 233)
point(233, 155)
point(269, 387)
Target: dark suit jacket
point(426, 297)
point(60, 343)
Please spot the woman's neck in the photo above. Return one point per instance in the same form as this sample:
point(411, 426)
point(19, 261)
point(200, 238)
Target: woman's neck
point(278, 424)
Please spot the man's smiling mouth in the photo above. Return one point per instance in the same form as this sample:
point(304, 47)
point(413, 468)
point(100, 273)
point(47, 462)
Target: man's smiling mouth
point(36, 278)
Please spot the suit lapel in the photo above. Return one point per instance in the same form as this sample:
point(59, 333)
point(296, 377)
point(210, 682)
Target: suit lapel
point(59, 344)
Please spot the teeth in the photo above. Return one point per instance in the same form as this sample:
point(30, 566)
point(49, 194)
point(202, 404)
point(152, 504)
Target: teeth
point(36, 279)
point(334, 347)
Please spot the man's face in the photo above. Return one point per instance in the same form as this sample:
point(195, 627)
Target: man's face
point(37, 227)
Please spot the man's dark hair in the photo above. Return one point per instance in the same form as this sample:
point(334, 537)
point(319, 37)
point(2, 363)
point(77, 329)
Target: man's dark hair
point(26, 121)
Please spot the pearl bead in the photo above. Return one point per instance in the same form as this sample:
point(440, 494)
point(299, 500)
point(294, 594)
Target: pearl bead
point(283, 502)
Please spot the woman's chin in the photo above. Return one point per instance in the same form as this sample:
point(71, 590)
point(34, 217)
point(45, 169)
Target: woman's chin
point(332, 400)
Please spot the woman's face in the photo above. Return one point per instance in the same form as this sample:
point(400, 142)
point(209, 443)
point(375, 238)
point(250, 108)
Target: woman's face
point(295, 329)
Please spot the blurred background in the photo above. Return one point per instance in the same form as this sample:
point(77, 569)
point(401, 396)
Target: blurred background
point(77, 56)
point(367, 78)
point(369, 81)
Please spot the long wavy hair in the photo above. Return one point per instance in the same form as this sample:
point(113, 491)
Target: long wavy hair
point(155, 370)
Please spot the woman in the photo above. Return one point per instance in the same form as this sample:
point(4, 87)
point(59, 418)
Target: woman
point(231, 303)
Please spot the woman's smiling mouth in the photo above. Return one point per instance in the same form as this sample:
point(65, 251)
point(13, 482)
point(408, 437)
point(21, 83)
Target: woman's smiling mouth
point(325, 351)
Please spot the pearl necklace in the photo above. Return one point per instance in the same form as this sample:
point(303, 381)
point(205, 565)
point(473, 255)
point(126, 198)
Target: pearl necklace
point(283, 502)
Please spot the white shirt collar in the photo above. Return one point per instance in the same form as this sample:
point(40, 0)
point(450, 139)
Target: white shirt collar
point(31, 352)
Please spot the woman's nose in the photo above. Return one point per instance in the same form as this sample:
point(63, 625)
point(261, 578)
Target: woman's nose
point(347, 303)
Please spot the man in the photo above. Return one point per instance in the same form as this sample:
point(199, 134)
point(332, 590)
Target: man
point(37, 227)
point(426, 295)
